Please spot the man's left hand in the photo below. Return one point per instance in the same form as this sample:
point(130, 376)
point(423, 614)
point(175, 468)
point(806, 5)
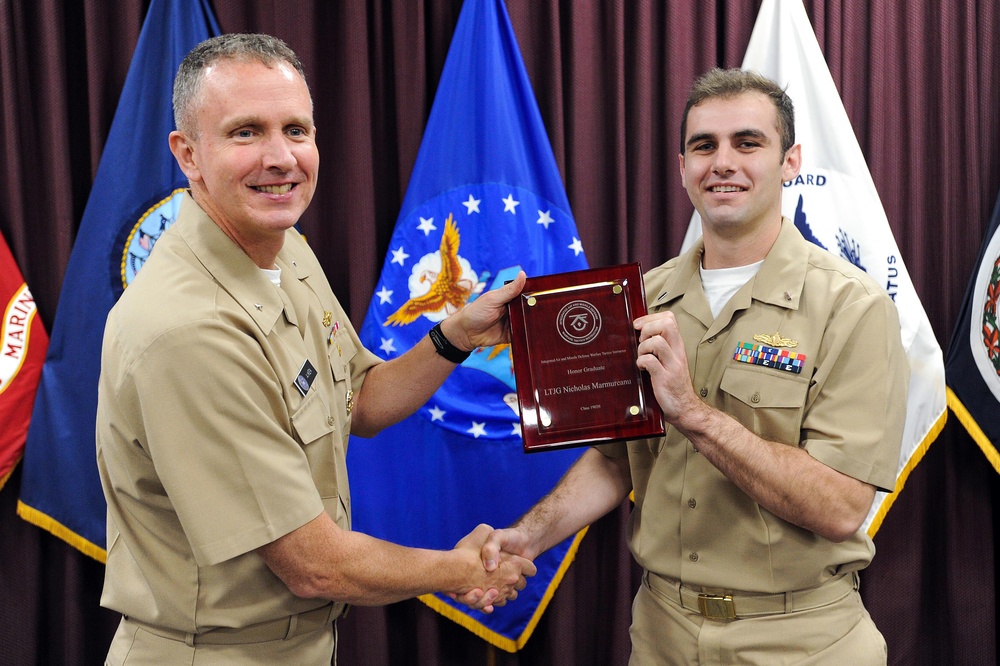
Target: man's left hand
point(662, 355)
point(483, 322)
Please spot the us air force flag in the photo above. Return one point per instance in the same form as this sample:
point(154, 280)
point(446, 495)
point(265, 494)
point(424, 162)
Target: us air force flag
point(135, 197)
point(834, 203)
point(485, 199)
point(973, 366)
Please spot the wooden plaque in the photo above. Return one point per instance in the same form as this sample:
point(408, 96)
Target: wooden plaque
point(574, 351)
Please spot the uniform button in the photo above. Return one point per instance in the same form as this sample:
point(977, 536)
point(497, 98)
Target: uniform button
point(693, 557)
point(704, 392)
point(330, 421)
point(692, 502)
point(711, 340)
point(755, 398)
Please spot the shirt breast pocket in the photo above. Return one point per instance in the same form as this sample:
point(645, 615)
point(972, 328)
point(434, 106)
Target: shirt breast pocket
point(769, 403)
point(342, 351)
point(314, 427)
point(311, 420)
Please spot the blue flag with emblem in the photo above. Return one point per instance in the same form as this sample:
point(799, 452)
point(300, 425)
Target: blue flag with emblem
point(134, 198)
point(973, 364)
point(485, 200)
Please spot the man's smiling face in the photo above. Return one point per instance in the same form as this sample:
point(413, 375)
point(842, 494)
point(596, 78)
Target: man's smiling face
point(254, 160)
point(733, 166)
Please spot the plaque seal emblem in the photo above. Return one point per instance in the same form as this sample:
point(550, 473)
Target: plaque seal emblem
point(578, 322)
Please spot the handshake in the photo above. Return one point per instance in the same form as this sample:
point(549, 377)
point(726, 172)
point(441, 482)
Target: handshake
point(499, 564)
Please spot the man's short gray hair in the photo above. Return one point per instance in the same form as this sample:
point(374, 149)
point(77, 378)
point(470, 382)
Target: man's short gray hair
point(264, 49)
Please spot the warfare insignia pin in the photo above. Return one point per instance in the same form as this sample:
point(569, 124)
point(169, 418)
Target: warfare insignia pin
point(327, 317)
point(775, 340)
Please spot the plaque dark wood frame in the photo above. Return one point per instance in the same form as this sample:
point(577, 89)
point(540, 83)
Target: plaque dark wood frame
point(580, 386)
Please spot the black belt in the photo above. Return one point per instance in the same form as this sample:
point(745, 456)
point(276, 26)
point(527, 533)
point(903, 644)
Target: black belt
point(271, 630)
point(734, 605)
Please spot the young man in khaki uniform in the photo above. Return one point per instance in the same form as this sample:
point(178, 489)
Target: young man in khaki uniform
point(231, 381)
point(747, 512)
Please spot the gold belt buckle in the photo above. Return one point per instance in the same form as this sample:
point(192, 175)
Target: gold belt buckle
point(716, 608)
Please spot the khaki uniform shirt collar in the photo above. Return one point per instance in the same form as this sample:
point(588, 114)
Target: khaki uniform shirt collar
point(778, 282)
point(293, 288)
point(233, 270)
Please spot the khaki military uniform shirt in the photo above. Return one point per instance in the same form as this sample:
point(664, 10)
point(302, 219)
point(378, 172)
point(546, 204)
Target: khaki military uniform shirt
point(845, 407)
point(206, 448)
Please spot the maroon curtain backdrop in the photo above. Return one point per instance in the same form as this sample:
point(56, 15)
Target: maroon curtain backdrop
point(920, 81)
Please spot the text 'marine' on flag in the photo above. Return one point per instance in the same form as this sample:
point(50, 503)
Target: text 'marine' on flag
point(23, 342)
point(134, 198)
point(834, 203)
point(973, 365)
point(485, 200)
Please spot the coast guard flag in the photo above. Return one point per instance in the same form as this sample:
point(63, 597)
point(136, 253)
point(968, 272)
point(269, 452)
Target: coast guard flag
point(973, 367)
point(485, 200)
point(135, 196)
point(22, 350)
point(834, 203)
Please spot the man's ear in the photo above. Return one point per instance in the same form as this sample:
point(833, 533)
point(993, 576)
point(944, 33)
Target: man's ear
point(680, 164)
point(183, 149)
point(792, 163)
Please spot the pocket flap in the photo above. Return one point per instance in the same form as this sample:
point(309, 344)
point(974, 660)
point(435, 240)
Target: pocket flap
point(341, 354)
point(312, 419)
point(764, 387)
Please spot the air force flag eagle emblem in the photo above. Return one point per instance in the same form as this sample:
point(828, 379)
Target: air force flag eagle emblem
point(440, 283)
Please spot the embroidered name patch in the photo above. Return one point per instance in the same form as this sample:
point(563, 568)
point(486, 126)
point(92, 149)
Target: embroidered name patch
point(770, 357)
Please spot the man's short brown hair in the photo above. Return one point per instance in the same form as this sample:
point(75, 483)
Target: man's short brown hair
point(727, 83)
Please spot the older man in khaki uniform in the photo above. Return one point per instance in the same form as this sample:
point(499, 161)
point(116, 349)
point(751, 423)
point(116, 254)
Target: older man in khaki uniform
point(231, 380)
point(782, 379)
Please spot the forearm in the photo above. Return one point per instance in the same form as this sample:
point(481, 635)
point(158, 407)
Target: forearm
point(320, 560)
point(592, 487)
point(783, 479)
point(395, 389)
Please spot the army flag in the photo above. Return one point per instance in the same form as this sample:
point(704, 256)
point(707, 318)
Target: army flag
point(834, 203)
point(973, 365)
point(23, 342)
point(134, 198)
point(485, 200)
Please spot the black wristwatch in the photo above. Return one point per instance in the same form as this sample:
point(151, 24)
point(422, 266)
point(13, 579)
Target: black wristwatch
point(444, 347)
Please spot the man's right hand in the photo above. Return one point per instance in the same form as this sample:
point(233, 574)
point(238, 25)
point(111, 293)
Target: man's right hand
point(506, 575)
point(594, 485)
point(507, 541)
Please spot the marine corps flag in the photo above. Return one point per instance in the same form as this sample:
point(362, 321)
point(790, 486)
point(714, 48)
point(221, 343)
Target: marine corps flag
point(834, 203)
point(973, 367)
point(22, 350)
point(485, 200)
point(134, 198)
